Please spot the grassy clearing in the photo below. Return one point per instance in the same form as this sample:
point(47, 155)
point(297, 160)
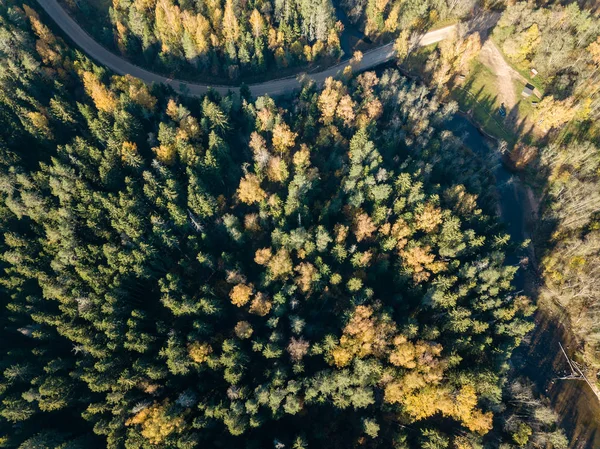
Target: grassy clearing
point(478, 96)
point(526, 108)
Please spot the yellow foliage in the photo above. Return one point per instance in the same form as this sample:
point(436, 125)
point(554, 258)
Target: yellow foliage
point(188, 128)
point(257, 23)
point(231, 26)
point(44, 45)
point(400, 231)
point(301, 158)
point(391, 24)
point(345, 110)
point(317, 49)
point(333, 40)
point(429, 218)
point(417, 259)
point(257, 143)
point(308, 53)
point(329, 98)
point(103, 98)
point(363, 227)
point(128, 150)
point(403, 354)
point(520, 46)
point(427, 402)
point(367, 82)
point(283, 137)
point(168, 25)
point(157, 423)
point(341, 232)
point(457, 53)
point(243, 329)
point(263, 256)
point(401, 45)
point(421, 400)
point(198, 28)
point(464, 409)
point(264, 119)
point(277, 170)
point(40, 122)
point(594, 51)
point(280, 264)
point(260, 305)
point(173, 109)
point(165, 154)
point(461, 442)
point(307, 273)
point(240, 294)
point(139, 93)
point(551, 113)
point(272, 39)
point(374, 109)
point(199, 352)
point(464, 202)
point(364, 335)
point(250, 191)
point(140, 4)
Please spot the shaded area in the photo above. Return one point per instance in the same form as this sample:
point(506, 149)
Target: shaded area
point(352, 38)
point(539, 357)
point(544, 363)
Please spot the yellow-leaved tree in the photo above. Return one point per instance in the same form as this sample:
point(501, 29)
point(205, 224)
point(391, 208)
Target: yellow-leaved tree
point(157, 422)
point(103, 98)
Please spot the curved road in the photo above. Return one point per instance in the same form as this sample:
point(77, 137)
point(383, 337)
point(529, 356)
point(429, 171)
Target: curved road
point(275, 87)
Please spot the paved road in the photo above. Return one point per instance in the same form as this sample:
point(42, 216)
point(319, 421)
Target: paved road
point(273, 88)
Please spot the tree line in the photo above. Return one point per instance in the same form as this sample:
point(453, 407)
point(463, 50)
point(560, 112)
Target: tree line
point(227, 38)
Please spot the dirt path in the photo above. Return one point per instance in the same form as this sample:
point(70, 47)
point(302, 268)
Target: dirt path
point(491, 57)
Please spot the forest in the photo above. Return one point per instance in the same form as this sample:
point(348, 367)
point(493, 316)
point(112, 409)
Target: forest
point(244, 40)
point(230, 39)
point(237, 272)
point(326, 269)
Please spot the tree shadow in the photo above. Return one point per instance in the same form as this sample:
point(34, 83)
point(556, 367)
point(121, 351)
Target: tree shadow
point(537, 358)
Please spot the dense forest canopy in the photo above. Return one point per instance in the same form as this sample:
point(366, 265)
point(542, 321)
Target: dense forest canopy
point(241, 39)
point(229, 38)
point(238, 273)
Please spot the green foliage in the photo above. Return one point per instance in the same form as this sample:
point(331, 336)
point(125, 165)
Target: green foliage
point(224, 38)
point(167, 284)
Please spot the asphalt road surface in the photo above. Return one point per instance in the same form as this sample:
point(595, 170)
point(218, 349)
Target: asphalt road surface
point(273, 88)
